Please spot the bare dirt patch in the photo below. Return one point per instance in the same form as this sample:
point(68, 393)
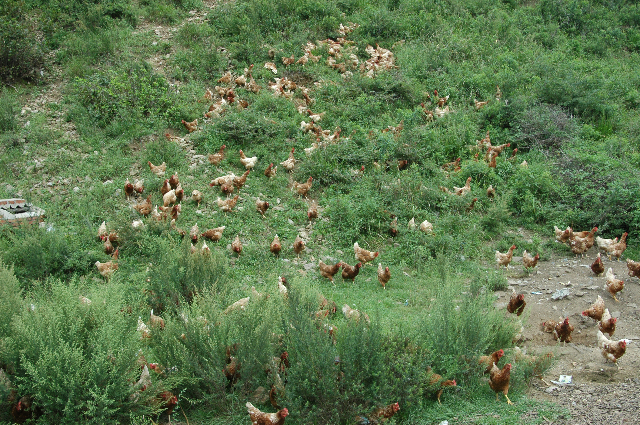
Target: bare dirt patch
point(600, 392)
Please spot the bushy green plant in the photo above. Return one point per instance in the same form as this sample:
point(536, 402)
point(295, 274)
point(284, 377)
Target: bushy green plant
point(78, 370)
point(10, 298)
point(544, 127)
point(21, 56)
point(129, 94)
point(462, 323)
point(181, 275)
point(8, 111)
point(37, 253)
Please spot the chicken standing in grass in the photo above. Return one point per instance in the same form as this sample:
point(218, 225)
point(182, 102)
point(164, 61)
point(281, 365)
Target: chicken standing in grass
point(461, 191)
point(196, 196)
point(289, 163)
point(260, 418)
point(362, 254)
point(236, 245)
point(303, 188)
point(379, 415)
point(350, 272)
point(312, 212)
point(214, 234)
point(298, 245)
point(327, 270)
point(229, 204)
point(383, 275)
point(271, 170)
point(490, 360)
point(158, 170)
point(499, 380)
point(248, 163)
point(275, 246)
point(425, 227)
point(262, 206)
point(190, 126)
point(217, 158)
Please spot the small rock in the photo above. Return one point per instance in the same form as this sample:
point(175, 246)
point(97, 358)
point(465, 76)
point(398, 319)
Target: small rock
point(551, 389)
point(579, 294)
point(76, 189)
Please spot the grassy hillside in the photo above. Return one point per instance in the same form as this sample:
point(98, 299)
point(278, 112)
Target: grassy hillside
point(90, 88)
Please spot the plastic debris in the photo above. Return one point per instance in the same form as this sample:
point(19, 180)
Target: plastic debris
point(560, 294)
point(564, 380)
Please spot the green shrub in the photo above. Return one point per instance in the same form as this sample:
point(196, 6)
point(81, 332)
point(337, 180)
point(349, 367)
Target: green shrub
point(8, 111)
point(78, 370)
point(200, 59)
point(10, 299)
point(37, 254)
point(544, 127)
point(130, 94)
point(461, 323)
point(181, 275)
point(21, 56)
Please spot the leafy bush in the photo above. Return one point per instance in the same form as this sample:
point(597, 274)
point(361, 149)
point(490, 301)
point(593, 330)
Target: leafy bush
point(8, 111)
point(10, 298)
point(462, 323)
point(544, 127)
point(78, 370)
point(181, 275)
point(36, 254)
point(21, 56)
point(129, 94)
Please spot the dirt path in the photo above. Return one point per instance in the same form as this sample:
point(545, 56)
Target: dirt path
point(601, 392)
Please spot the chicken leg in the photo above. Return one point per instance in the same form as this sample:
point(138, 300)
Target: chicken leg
point(506, 396)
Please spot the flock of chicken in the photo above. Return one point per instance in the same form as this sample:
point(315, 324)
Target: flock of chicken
point(342, 58)
point(580, 243)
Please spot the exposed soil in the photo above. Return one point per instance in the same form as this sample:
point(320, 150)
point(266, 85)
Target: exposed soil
point(601, 392)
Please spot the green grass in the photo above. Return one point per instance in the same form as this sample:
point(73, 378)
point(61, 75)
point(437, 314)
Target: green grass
point(569, 105)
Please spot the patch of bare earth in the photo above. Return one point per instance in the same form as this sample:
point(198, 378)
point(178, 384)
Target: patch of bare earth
point(601, 392)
